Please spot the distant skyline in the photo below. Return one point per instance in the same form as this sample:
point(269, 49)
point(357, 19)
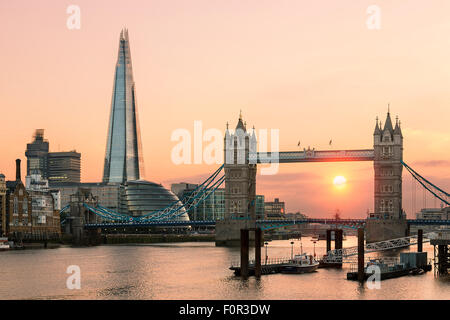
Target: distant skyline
point(310, 69)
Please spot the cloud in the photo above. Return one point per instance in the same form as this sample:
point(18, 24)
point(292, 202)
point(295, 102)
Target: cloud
point(432, 163)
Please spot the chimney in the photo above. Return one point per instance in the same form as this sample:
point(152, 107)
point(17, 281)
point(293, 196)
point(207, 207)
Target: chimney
point(18, 170)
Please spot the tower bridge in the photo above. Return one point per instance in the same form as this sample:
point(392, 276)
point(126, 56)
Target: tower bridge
point(388, 221)
point(241, 159)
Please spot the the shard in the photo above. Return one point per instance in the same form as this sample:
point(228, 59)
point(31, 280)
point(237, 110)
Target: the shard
point(123, 159)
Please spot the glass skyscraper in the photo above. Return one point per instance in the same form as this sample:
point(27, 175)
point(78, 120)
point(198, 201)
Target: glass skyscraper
point(123, 159)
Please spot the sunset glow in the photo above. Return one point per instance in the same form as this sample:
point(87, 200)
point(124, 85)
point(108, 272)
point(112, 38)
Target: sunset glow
point(339, 181)
point(205, 60)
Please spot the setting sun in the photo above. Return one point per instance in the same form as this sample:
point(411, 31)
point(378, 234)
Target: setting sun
point(339, 181)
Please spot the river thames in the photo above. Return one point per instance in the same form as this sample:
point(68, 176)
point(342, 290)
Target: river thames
point(192, 270)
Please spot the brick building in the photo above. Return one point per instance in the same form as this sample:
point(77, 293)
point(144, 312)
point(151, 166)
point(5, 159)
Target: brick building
point(30, 213)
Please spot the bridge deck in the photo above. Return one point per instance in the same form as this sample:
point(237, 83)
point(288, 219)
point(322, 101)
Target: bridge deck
point(312, 156)
point(264, 224)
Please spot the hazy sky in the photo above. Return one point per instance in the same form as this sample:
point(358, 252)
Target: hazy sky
point(311, 69)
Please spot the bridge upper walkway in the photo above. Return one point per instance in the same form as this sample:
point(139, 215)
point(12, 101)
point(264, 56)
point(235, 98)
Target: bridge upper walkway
point(312, 156)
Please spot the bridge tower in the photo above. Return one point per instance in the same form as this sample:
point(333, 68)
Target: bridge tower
point(240, 185)
point(388, 220)
point(79, 216)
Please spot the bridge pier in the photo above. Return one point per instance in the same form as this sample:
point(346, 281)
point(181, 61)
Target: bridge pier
point(258, 244)
point(338, 239)
point(245, 244)
point(228, 231)
point(78, 217)
point(385, 229)
point(328, 240)
point(244, 252)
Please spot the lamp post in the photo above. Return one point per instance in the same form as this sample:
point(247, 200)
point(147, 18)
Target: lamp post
point(292, 250)
point(314, 248)
point(266, 244)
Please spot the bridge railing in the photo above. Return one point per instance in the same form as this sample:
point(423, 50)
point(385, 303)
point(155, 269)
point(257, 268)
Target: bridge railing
point(380, 246)
point(264, 262)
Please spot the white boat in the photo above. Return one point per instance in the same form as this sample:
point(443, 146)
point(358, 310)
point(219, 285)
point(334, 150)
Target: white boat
point(4, 244)
point(301, 263)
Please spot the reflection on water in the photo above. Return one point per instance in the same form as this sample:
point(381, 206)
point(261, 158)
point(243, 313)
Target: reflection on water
point(190, 271)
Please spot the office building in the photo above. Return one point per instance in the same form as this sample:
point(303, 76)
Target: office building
point(37, 154)
point(2, 205)
point(274, 209)
point(123, 159)
point(64, 167)
point(57, 167)
point(434, 214)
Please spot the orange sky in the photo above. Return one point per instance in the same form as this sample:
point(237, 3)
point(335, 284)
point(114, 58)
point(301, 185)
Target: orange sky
point(311, 69)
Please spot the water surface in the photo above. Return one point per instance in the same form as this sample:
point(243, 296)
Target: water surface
point(190, 271)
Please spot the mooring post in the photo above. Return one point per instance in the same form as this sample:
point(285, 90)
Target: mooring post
point(244, 253)
point(338, 236)
point(328, 240)
point(419, 240)
point(361, 254)
point(258, 236)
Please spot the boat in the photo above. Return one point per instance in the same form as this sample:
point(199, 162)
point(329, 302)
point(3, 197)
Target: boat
point(389, 271)
point(4, 244)
point(417, 271)
point(300, 263)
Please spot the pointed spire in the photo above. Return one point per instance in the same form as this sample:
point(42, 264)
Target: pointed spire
point(253, 137)
point(227, 133)
point(377, 128)
point(397, 129)
point(388, 123)
point(240, 124)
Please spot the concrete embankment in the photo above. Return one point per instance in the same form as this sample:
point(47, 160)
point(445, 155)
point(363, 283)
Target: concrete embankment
point(155, 238)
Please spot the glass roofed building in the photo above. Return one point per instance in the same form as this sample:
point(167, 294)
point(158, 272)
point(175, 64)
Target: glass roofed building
point(141, 197)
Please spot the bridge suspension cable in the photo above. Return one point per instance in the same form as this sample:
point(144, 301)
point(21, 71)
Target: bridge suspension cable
point(429, 186)
point(172, 211)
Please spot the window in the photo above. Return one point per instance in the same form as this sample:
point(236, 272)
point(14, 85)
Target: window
point(16, 206)
point(387, 151)
point(25, 205)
